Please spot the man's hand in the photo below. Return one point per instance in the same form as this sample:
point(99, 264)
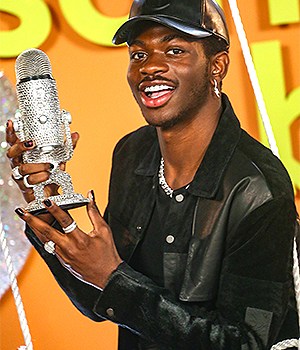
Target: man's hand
point(90, 256)
point(37, 173)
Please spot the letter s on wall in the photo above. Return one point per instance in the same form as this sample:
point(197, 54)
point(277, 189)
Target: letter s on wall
point(35, 18)
point(84, 18)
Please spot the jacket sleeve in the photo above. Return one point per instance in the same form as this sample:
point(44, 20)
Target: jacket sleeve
point(252, 299)
point(82, 295)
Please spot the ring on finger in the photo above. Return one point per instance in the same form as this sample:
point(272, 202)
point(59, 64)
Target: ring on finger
point(70, 228)
point(50, 247)
point(26, 183)
point(16, 173)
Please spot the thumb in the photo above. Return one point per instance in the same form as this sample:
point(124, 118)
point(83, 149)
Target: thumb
point(75, 138)
point(93, 212)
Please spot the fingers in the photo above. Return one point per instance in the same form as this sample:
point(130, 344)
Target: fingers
point(37, 173)
point(15, 152)
point(62, 217)
point(18, 148)
point(11, 136)
point(43, 231)
point(31, 168)
point(94, 214)
point(65, 220)
point(75, 138)
point(33, 179)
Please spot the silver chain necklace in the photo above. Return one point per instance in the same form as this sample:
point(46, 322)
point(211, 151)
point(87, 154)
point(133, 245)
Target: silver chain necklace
point(162, 180)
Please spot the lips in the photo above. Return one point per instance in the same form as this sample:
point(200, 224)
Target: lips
point(156, 94)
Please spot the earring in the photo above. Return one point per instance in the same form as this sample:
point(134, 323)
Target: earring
point(216, 89)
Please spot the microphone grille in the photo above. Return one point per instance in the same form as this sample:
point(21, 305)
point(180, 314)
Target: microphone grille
point(32, 62)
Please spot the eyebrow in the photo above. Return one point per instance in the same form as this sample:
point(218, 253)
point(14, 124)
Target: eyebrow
point(166, 38)
point(173, 36)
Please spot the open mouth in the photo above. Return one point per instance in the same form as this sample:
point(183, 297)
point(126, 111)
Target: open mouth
point(156, 95)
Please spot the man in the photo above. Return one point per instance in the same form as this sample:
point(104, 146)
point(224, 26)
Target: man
point(195, 248)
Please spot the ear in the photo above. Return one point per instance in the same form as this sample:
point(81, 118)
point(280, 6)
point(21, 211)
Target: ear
point(219, 66)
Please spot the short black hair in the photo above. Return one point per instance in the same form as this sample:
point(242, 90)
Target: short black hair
point(213, 45)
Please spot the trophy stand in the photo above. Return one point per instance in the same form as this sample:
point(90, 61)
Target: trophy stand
point(54, 154)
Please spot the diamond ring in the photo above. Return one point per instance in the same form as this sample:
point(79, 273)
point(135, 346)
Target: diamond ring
point(16, 173)
point(70, 228)
point(50, 247)
point(26, 183)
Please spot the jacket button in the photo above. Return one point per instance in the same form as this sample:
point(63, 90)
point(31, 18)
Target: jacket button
point(110, 312)
point(179, 198)
point(170, 239)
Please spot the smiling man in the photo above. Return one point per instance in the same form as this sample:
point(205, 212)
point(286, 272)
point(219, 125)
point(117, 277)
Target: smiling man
point(195, 247)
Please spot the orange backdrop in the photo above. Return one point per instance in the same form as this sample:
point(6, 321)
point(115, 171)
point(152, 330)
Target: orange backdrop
point(92, 85)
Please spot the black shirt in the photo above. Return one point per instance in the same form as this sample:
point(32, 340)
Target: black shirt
point(168, 232)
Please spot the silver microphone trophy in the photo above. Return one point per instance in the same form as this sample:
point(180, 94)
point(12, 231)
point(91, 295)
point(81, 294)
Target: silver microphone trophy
point(41, 120)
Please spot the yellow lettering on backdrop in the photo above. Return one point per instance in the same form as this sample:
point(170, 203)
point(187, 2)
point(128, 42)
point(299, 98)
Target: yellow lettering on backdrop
point(284, 12)
point(84, 18)
point(35, 26)
point(283, 109)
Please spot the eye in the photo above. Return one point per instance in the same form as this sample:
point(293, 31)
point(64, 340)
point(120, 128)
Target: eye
point(175, 51)
point(138, 55)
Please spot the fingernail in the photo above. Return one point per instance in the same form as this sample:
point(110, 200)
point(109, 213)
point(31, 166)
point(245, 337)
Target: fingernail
point(47, 202)
point(28, 143)
point(7, 124)
point(92, 195)
point(51, 166)
point(20, 212)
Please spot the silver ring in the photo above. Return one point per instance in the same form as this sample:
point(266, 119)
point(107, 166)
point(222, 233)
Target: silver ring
point(50, 247)
point(16, 173)
point(70, 228)
point(26, 183)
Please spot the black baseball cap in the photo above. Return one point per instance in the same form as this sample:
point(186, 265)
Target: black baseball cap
point(196, 18)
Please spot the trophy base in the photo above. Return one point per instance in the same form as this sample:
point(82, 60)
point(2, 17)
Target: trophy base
point(64, 201)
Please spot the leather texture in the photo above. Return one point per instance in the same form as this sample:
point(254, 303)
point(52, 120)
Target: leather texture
point(197, 18)
point(239, 263)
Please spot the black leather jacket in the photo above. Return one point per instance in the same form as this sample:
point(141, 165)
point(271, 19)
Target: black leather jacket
point(237, 292)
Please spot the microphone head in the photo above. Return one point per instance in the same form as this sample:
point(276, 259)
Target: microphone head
point(40, 117)
point(32, 63)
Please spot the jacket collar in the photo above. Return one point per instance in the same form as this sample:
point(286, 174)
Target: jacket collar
point(219, 152)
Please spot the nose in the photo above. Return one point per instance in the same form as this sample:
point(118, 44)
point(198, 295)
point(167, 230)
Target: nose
point(153, 65)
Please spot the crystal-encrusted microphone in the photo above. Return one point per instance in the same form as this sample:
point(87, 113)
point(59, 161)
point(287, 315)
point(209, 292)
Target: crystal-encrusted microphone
point(41, 120)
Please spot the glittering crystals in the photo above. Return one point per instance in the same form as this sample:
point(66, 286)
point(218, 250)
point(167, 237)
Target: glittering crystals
point(10, 183)
point(162, 180)
point(17, 114)
point(12, 242)
point(3, 144)
point(10, 196)
point(43, 119)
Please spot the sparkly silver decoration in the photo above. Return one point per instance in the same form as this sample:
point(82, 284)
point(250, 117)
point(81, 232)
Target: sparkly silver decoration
point(40, 119)
point(10, 196)
point(50, 247)
point(162, 180)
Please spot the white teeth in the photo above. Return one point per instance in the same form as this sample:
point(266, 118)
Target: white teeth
point(156, 88)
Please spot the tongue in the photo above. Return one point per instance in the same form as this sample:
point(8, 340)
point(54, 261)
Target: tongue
point(159, 93)
point(156, 99)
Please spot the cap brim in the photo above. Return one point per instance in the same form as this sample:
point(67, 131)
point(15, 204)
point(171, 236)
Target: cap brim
point(123, 32)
